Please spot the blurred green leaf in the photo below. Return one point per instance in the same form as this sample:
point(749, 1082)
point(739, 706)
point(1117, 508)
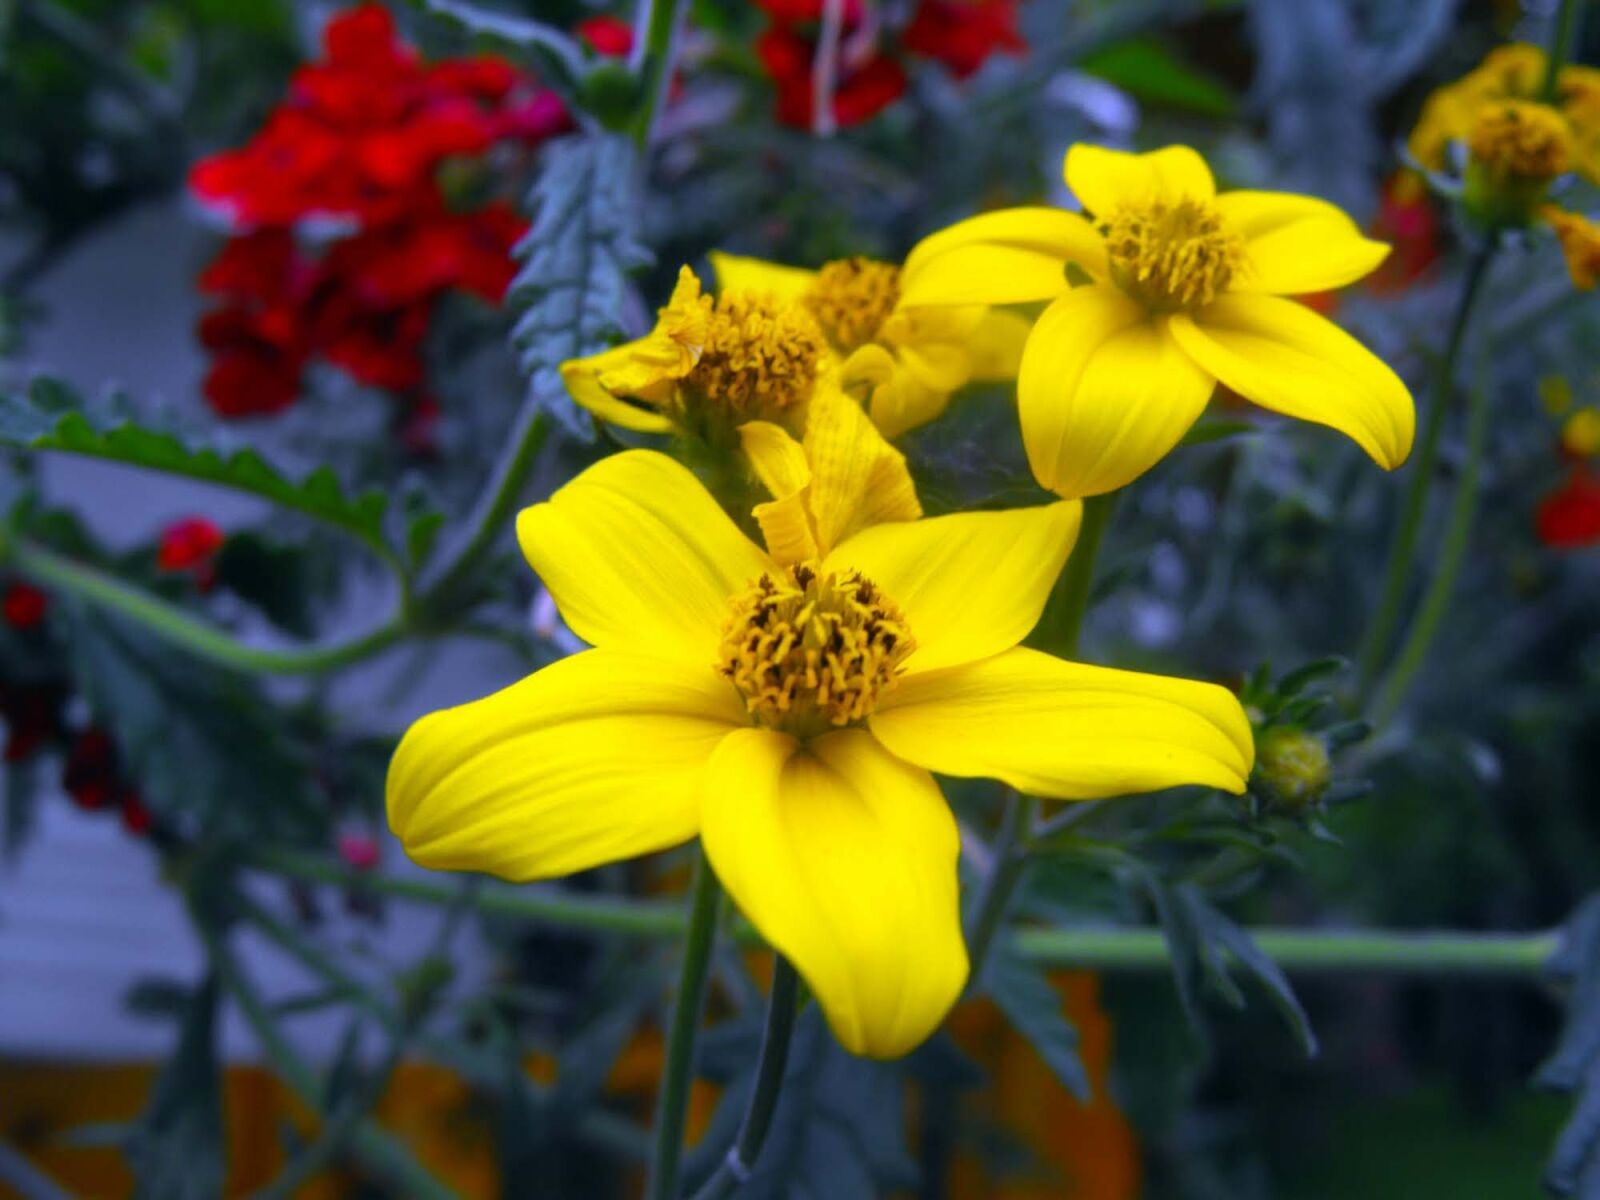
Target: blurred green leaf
point(1150, 71)
point(176, 1150)
point(1035, 1009)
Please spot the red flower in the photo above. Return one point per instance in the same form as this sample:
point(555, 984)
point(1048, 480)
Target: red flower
point(1407, 220)
point(24, 606)
point(1570, 517)
point(609, 37)
point(962, 34)
point(191, 546)
point(257, 339)
point(136, 816)
point(867, 81)
point(359, 850)
point(90, 773)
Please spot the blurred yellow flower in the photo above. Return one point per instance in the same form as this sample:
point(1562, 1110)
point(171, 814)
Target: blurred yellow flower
point(1580, 243)
point(1580, 433)
point(905, 363)
point(1176, 288)
point(790, 715)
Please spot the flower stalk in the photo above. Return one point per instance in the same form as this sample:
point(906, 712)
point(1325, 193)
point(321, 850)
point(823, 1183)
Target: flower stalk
point(678, 1071)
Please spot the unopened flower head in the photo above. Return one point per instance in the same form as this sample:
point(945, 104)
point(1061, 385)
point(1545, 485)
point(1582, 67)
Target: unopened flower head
point(1159, 290)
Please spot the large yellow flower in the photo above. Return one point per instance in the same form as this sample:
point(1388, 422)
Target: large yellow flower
point(905, 362)
point(789, 714)
point(1177, 287)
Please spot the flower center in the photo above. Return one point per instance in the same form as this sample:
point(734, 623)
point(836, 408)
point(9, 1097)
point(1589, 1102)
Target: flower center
point(1172, 256)
point(852, 298)
point(810, 652)
point(1521, 138)
point(758, 357)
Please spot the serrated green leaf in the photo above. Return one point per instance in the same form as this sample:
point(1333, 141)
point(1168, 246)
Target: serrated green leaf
point(1298, 679)
point(51, 415)
point(1035, 1010)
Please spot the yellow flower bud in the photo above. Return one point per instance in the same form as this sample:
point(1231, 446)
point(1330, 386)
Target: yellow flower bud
point(1293, 766)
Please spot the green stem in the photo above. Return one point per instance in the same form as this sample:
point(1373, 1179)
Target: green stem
point(1010, 859)
point(1077, 579)
point(1307, 952)
point(1561, 38)
point(1397, 570)
point(1452, 555)
point(672, 1108)
point(658, 49)
point(746, 1150)
point(178, 626)
point(493, 510)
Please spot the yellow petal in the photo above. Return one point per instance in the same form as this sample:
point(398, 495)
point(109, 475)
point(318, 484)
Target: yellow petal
point(596, 758)
point(780, 463)
point(1105, 180)
point(858, 478)
point(845, 859)
point(1102, 393)
point(997, 345)
point(1296, 245)
point(582, 377)
point(970, 584)
point(735, 273)
point(1066, 730)
point(1285, 357)
point(1007, 257)
point(637, 555)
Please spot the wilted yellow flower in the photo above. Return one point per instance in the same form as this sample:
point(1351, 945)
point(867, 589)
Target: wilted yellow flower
point(1180, 287)
point(790, 714)
point(906, 363)
point(1580, 243)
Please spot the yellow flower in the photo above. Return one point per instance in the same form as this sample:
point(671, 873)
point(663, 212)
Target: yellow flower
point(1495, 111)
point(1580, 243)
point(1183, 287)
point(905, 362)
point(709, 365)
point(790, 716)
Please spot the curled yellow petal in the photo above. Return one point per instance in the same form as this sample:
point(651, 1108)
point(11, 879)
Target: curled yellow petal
point(1296, 245)
point(1285, 357)
point(583, 377)
point(780, 464)
point(1066, 730)
point(1103, 393)
point(970, 584)
point(637, 555)
point(844, 858)
point(1013, 256)
point(594, 759)
point(1106, 180)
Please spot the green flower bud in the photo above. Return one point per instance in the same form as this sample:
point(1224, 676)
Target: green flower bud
point(1293, 767)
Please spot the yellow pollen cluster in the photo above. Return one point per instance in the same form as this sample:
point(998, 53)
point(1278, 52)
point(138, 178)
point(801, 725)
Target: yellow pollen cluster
point(811, 652)
point(1522, 139)
point(1172, 256)
point(758, 356)
point(852, 298)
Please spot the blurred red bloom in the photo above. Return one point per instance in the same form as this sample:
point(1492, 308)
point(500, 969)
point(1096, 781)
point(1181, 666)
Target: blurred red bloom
point(89, 775)
point(866, 84)
point(136, 815)
point(609, 37)
point(1569, 518)
point(359, 850)
point(1407, 221)
point(962, 34)
point(191, 546)
point(24, 606)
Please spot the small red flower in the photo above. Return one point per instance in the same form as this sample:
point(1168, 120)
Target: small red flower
point(359, 850)
point(609, 37)
point(1407, 220)
point(190, 546)
point(90, 773)
point(24, 606)
point(137, 818)
point(867, 81)
point(962, 34)
point(1569, 518)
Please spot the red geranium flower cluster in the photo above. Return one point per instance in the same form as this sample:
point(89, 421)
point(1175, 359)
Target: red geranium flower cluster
point(1408, 221)
point(355, 151)
point(870, 74)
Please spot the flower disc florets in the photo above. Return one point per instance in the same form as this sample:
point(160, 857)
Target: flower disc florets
point(756, 357)
point(811, 652)
point(1521, 139)
point(852, 298)
point(1172, 255)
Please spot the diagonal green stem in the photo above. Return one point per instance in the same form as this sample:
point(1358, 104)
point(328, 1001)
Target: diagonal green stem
point(1452, 555)
point(657, 49)
point(672, 1107)
point(746, 1150)
point(1385, 616)
point(1562, 36)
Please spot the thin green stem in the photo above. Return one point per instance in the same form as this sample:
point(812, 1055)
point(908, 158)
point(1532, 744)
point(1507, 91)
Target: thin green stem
point(1562, 37)
point(1397, 570)
point(181, 628)
point(658, 49)
point(1452, 555)
point(1010, 859)
point(500, 497)
point(672, 1107)
point(1077, 580)
point(1423, 954)
point(742, 1156)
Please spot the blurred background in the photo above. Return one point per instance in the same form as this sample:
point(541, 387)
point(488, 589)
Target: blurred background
point(535, 1066)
